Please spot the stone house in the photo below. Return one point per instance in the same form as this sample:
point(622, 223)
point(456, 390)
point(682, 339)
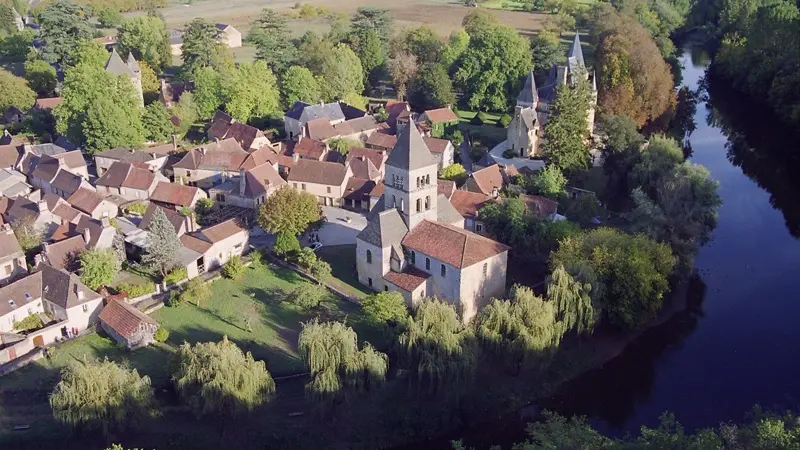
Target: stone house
point(176, 196)
point(250, 189)
point(440, 120)
point(130, 69)
point(217, 244)
point(13, 184)
point(37, 214)
point(415, 242)
point(154, 161)
point(442, 150)
point(182, 224)
point(487, 181)
point(211, 164)
point(296, 118)
point(228, 36)
point(127, 325)
point(12, 258)
point(90, 202)
point(365, 176)
point(468, 204)
point(70, 160)
point(326, 180)
point(131, 181)
point(224, 127)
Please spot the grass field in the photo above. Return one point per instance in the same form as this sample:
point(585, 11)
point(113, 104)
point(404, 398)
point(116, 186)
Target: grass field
point(342, 259)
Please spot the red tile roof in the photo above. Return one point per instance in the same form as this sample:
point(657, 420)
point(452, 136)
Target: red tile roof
point(468, 203)
point(376, 156)
point(310, 148)
point(358, 189)
point(408, 280)
point(436, 145)
point(174, 194)
point(320, 129)
point(487, 179)
point(124, 319)
point(319, 172)
point(47, 103)
point(445, 187)
point(382, 141)
point(539, 206)
point(221, 231)
point(85, 200)
point(441, 115)
point(123, 174)
point(193, 243)
point(452, 245)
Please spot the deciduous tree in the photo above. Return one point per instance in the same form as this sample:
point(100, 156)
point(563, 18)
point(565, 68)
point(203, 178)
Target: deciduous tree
point(201, 49)
point(431, 88)
point(547, 50)
point(109, 124)
point(196, 291)
point(402, 68)
point(163, 245)
point(299, 84)
point(289, 210)
point(157, 122)
point(386, 308)
point(342, 73)
point(62, 24)
point(454, 172)
point(424, 43)
point(147, 38)
point(109, 17)
point(207, 91)
point(14, 91)
point(41, 77)
point(99, 267)
point(549, 181)
point(370, 51)
point(252, 92)
point(286, 244)
point(307, 295)
point(457, 43)
point(218, 378)
point(572, 302)
point(369, 18)
point(28, 234)
point(101, 395)
point(270, 34)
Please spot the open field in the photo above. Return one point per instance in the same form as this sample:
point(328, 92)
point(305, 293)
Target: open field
point(342, 259)
point(444, 15)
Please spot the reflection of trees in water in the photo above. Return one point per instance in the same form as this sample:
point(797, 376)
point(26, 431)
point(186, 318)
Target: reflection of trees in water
point(765, 150)
point(611, 393)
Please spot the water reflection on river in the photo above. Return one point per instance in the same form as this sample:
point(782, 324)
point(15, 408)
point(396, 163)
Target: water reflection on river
point(737, 343)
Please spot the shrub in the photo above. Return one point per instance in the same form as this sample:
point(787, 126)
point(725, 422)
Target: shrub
point(256, 259)
point(477, 120)
point(484, 118)
point(176, 276)
point(136, 290)
point(162, 334)
point(137, 208)
point(504, 121)
point(285, 244)
point(510, 153)
point(196, 291)
point(233, 269)
point(307, 295)
point(174, 298)
point(305, 258)
point(321, 270)
point(32, 322)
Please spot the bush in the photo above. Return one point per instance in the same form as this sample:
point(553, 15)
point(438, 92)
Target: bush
point(256, 259)
point(286, 244)
point(305, 258)
point(137, 290)
point(504, 121)
point(176, 276)
point(477, 120)
point(173, 299)
point(109, 17)
point(307, 295)
point(233, 269)
point(32, 322)
point(161, 335)
point(510, 153)
point(321, 270)
point(137, 208)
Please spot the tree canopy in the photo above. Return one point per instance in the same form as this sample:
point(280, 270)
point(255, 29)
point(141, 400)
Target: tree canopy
point(111, 123)
point(62, 24)
point(101, 395)
point(14, 91)
point(207, 91)
point(341, 73)
point(386, 308)
point(147, 38)
point(566, 132)
point(270, 34)
point(157, 122)
point(299, 84)
point(289, 211)
point(251, 92)
point(369, 18)
point(492, 67)
point(219, 378)
point(431, 88)
point(163, 244)
point(41, 77)
point(99, 267)
point(370, 51)
point(201, 49)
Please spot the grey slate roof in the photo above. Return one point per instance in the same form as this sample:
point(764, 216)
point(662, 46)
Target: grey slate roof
point(47, 149)
point(410, 152)
point(116, 65)
point(385, 229)
point(528, 95)
point(305, 112)
point(528, 117)
point(446, 212)
point(575, 55)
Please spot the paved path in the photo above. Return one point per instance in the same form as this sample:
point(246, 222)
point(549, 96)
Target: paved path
point(466, 160)
point(336, 230)
point(497, 155)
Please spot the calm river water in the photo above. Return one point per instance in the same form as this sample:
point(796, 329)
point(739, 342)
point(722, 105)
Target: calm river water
point(737, 345)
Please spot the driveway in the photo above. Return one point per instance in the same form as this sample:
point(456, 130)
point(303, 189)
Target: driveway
point(336, 230)
point(497, 155)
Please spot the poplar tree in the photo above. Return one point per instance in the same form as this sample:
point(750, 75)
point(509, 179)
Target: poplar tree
point(567, 131)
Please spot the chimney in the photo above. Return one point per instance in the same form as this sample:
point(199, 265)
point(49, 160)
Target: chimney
point(495, 193)
point(87, 235)
point(106, 222)
point(43, 208)
point(131, 151)
point(189, 223)
point(295, 157)
point(242, 182)
point(79, 292)
point(7, 228)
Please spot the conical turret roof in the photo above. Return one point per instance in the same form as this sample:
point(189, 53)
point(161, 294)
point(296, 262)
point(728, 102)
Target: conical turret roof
point(410, 152)
point(528, 95)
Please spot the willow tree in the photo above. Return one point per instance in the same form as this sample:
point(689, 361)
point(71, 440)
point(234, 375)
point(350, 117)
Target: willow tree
point(330, 350)
point(219, 378)
point(572, 301)
point(101, 395)
point(439, 348)
point(522, 331)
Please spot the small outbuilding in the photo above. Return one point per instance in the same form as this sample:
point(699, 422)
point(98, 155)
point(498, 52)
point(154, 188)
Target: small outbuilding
point(127, 325)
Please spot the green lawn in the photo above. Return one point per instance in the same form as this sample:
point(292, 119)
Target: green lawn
point(342, 259)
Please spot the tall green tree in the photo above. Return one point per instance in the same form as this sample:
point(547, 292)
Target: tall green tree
point(386, 308)
point(109, 17)
point(567, 130)
point(656, 161)
point(270, 34)
point(218, 378)
point(62, 24)
point(370, 51)
point(547, 50)
point(101, 395)
point(99, 267)
point(14, 91)
point(492, 67)
point(457, 44)
point(157, 122)
point(299, 84)
point(110, 124)
point(331, 352)
point(431, 88)
point(91, 53)
point(424, 43)
point(289, 211)
point(163, 245)
point(549, 181)
point(201, 49)
point(377, 19)
point(147, 38)
point(572, 302)
point(251, 92)
point(207, 91)
point(440, 349)
point(186, 111)
point(342, 73)
point(41, 77)
point(313, 51)
point(522, 332)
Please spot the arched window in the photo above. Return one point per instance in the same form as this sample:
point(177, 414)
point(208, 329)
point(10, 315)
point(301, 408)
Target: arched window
point(427, 179)
point(485, 269)
point(418, 182)
point(419, 201)
point(428, 202)
point(427, 264)
point(369, 256)
point(444, 270)
point(414, 257)
point(394, 201)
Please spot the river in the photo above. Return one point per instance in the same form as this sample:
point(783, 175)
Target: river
point(736, 344)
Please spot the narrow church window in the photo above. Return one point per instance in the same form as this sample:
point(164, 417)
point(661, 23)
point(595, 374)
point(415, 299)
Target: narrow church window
point(413, 257)
point(369, 257)
point(418, 204)
point(428, 202)
point(427, 179)
point(485, 269)
point(394, 201)
point(444, 269)
point(385, 288)
point(369, 281)
point(427, 264)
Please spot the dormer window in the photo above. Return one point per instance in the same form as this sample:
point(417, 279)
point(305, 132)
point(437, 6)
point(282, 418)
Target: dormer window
point(12, 304)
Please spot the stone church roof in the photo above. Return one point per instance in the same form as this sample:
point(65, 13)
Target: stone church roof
point(385, 229)
point(528, 95)
point(116, 65)
point(410, 152)
point(575, 55)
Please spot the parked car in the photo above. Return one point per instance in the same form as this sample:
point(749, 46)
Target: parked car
point(315, 246)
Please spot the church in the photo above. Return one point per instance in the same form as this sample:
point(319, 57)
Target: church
point(533, 104)
point(130, 69)
point(415, 242)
